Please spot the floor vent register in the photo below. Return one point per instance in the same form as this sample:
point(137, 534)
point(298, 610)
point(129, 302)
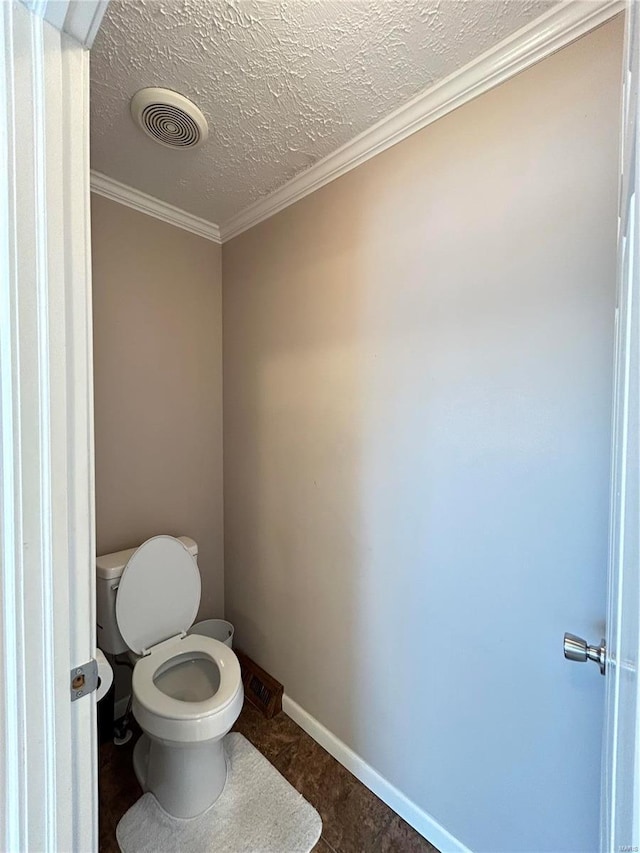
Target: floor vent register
point(260, 688)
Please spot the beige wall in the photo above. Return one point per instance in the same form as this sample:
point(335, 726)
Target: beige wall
point(158, 387)
point(417, 375)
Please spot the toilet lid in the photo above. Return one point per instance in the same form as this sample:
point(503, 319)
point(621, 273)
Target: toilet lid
point(158, 594)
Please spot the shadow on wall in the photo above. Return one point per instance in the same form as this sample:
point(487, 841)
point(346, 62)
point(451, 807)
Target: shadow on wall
point(292, 444)
point(158, 387)
point(157, 319)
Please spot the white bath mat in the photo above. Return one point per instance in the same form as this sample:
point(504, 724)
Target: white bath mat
point(257, 812)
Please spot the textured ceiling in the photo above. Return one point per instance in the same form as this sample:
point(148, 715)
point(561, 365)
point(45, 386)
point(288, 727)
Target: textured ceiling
point(282, 83)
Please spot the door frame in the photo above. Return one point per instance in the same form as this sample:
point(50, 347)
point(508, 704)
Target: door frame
point(620, 787)
point(48, 760)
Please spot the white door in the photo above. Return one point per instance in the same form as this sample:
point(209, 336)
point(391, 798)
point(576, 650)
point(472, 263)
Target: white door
point(48, 760)
point(621, 752)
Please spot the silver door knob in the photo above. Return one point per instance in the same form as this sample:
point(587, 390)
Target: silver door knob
point(575, 648)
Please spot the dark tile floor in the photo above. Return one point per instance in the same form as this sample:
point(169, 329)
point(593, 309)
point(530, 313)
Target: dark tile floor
point(353, 819)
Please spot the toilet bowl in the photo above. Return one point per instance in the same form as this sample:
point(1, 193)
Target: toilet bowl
point(187, 694)
point(187, 690)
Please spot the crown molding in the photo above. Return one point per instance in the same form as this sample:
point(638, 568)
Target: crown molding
point(555, 29)
point(114, 190)
point(552, 31)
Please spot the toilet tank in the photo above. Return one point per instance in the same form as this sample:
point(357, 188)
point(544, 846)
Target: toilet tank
point(109, 568)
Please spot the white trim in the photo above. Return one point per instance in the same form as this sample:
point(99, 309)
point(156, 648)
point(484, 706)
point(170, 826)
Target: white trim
point(81, 535)
point(79, 19)
point(48, 764)
point(114, 190)
point(620, 790)
point(557, 28)
point(419, 819)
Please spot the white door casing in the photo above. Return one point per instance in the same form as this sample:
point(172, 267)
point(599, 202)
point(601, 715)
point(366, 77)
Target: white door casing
point(620, 823)
point(79, 19)
point(48, 761)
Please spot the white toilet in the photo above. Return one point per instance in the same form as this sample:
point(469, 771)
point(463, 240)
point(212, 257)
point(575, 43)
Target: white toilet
point(187, 690)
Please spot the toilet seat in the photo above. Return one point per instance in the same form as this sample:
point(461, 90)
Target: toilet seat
point(160, 703)
point(157, 601)
point(158, 593)
point(182, 721)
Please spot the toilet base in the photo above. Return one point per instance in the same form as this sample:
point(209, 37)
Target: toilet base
point(141, 760)
point(186, 779)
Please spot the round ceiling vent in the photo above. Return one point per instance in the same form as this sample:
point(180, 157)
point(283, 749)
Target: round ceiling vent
point(169, 118)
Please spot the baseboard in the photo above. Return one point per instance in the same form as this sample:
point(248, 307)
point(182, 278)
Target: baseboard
point(420, 820)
